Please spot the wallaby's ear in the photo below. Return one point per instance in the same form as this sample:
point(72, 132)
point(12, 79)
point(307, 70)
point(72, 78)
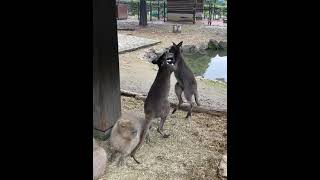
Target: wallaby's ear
point(180, 43)
point(174, 44)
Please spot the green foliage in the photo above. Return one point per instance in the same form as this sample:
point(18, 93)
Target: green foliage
point(198, 63)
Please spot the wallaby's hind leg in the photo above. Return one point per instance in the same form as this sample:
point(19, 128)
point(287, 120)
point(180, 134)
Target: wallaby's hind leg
point(178, 89)
point(190, 110)
point(160, 128)
point(196, 97)
point(148, 138)
point(188, 96)
point(146, 128)
point(164, 115)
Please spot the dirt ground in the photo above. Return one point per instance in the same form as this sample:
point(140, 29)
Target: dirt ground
point(137, 75)
point(193, 151)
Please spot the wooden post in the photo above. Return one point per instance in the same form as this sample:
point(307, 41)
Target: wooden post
point(106, 81)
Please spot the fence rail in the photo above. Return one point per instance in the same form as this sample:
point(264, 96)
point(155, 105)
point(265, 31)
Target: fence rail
point(159, 11)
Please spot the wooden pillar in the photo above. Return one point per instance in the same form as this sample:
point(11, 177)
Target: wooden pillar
point(106, 81)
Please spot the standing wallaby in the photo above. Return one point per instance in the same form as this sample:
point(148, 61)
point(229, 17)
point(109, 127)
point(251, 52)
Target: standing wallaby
point(125, 136)
point(157, 104)
point(186, 81)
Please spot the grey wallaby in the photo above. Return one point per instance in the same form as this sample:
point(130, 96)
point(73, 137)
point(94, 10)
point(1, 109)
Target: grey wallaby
point(157, 104)
point(186, 81)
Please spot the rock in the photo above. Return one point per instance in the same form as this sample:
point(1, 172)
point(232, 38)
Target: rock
point(223, 166)
point(221, 80)
point(189, 49)
point(155, 68)
point(222, 45)
point(213, 44)
point(199, 77)
point(160, 52)
point(149, 55)
point(99, 160)
point(202, 48)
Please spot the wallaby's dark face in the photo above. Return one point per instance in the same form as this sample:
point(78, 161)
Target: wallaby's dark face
point(165, 59)
point(175, 48)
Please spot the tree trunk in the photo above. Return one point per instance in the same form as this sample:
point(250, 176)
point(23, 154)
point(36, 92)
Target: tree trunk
point(214, 9)
point(150, 11)
point(184, 106)
point(143, 13)
point(158, 10)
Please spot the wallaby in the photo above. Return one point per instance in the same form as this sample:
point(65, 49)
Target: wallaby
point(125, 136)
point(186, 81)
point(157, 104)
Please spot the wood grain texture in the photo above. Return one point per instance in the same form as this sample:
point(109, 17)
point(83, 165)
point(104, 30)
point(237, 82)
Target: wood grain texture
point(106, 81)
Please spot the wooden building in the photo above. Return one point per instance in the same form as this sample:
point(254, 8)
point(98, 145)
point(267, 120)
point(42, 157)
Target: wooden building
point(183, 10)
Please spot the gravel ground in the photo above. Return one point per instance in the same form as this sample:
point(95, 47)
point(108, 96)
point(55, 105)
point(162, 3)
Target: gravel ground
point(193, 151)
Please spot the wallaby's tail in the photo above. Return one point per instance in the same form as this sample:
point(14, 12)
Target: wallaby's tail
point(196, 97)
point(134, 158)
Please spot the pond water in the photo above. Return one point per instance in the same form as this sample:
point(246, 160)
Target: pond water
point(211, 65)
